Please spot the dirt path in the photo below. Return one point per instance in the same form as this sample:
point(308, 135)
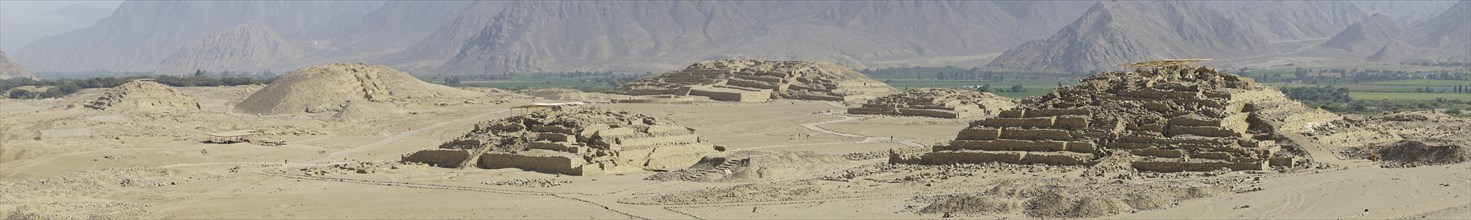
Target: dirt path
point(1317, 151)
point(605, 200)
point(402, 135)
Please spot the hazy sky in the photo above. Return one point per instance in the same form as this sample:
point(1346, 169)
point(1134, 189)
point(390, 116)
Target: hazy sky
point(22, 22)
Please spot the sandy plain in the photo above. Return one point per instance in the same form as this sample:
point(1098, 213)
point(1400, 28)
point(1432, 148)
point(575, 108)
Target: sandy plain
point(91, 164)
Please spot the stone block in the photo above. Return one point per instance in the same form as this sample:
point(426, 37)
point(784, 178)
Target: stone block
point(1057, 112)
point(979, 134)
point(1198, 165)
point(1018, 113)
point(1071, 122)
point(1156, 152)
point(1057, 158)
point(1205, 131)
point(1082, 147)
point(1004, 145)
point(1036, 134)
point(438, 157)
point(972, 157)
point(1019, 122)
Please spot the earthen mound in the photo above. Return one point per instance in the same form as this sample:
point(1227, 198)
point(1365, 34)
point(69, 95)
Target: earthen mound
point(554, 93)
point(1413, 153)
point(758, 81)
point(142, 95)
point(939, 103)
point(750, 165)
point(1171, 118)
point(572, 140)
point(1379, 130)
point(328, 87)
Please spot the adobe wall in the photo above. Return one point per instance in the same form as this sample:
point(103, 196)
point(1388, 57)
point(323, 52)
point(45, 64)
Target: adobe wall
point(725, 94)
point(1198, 166)
point(438, 157)
point(543, 163)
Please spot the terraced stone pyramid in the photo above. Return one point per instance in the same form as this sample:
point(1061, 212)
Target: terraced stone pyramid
point(937, 102)
point(759, 80)
point(574, 141)
point(1173, 118)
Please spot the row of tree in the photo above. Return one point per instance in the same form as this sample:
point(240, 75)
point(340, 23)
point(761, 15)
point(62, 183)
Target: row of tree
point(1317, 94)
point(56, 88)
point(957, 73)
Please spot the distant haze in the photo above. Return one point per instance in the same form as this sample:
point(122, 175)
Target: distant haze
point(22, 22)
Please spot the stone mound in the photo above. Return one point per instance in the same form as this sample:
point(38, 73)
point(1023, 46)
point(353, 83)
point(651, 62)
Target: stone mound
point(1049, 198)
point(750, 165)
point(939, 103)
point(1173, 118)
point(1413, 153)
point(328, 87)
point(1369, 131)
point(142, 95)
point(757, 81)
point(574, 141)
point(554, 93)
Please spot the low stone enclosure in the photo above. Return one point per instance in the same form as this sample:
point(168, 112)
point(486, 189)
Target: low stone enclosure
point(759, 81)
point(572, 140)
point(938, 103)
point(1173, 118)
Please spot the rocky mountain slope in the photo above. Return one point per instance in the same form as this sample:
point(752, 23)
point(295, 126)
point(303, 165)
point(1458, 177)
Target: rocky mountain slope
point(140, 34)
point(1113, 33)
point(494, 37)
point(1406, 12)
point(1448, 33)
point(1297, 20)
point(250, 46)
point(1366, 36)
point(395, 25)
point(10, 69)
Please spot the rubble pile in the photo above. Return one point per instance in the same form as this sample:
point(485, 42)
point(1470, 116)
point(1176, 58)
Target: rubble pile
point(939, 103)
point(572, 140)
point(758, 81)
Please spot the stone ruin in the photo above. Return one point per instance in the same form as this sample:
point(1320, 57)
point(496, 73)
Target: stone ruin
point(939, 103)
point(1172, 118)
point(759, 81)
point(574, 141)
point(142, 95)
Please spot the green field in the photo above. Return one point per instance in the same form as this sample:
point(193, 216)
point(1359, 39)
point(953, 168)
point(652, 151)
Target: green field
point(549, 83)
point(1397, 86)
point(1425, 82)
point(526, 81)
point(1034, 87)
point(1407, 96)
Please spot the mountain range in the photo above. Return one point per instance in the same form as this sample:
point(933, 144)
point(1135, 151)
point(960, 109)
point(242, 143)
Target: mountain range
point(490, 37)
point(9, 69)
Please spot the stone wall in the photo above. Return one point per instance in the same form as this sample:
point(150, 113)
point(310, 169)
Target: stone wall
point(438, 157)
point(562, 164)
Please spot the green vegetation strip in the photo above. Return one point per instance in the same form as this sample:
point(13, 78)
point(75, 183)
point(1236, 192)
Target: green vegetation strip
point(1407, 96)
